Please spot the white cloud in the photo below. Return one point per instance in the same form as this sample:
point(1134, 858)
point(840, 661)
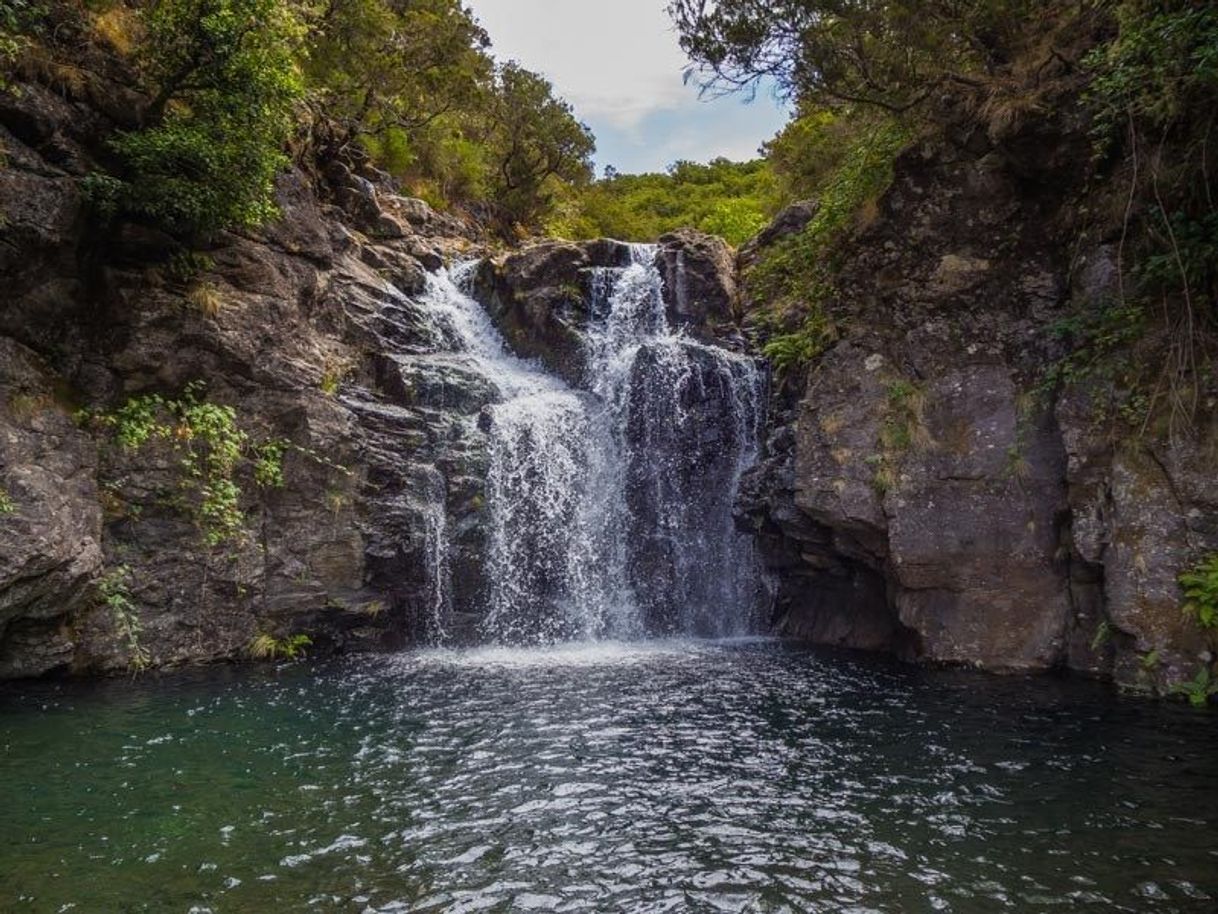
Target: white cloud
point(615, 62)
point(620, 65)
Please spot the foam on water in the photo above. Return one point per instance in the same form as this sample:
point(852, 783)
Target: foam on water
point(568, 654)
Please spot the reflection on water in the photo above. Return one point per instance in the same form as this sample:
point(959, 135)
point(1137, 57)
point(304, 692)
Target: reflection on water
point(670, 776)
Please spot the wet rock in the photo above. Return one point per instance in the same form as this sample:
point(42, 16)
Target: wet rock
point(699, 274)
point(538, 299)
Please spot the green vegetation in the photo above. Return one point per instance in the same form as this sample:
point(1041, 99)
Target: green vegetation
point(1200, 586)
point(1161, 67)
point(116, 596)
point(212, 449)
point(797, 272)
point(1154, 92)
point(902, 429)
point(868, 76)
point(223, 84)
point(6, 503)
point(788, 352)
point(1199, 689)
point(537, 140)
point(1103, 635)
point(230, 87)
point(18, 18)
point(268, 647)
point(892, 56)
point(383, 72)
point(729, 199)
point(1098, 336)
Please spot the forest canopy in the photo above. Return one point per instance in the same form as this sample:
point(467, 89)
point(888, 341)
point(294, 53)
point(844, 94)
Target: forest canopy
point(230, 87)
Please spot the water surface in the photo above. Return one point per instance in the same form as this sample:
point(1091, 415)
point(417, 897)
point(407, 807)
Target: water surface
point(672, 776)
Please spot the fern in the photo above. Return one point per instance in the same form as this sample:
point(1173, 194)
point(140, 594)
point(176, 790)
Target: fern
point(1200, 586)
point(1199, 689)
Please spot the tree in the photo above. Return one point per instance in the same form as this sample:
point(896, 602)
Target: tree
point(890, 53)
point(535, 140)
point(223, 85)
point(386, 69)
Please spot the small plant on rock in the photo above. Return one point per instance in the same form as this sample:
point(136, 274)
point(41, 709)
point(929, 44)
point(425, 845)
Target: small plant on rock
point(114, 592)
point(1199, 689)
point(268, 647)
point(789, 352)
point(1103, 634)
point(207, 298)
point(6, 503)
point(1200, 586)
point(213, 448)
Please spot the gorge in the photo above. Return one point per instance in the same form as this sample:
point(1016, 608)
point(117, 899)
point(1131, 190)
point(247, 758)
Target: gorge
point(377, 536)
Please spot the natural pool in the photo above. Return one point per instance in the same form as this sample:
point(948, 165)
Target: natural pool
point(669, 776)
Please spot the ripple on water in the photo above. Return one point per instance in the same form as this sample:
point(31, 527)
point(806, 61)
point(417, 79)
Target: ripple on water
point(671, 775)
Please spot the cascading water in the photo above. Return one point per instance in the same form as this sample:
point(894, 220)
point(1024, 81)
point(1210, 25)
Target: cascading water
point(684, 420)
point(610, 507)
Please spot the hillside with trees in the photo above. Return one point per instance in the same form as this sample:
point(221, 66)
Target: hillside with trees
point(226, 92)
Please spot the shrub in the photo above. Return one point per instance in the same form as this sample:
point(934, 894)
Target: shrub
point(224, 84)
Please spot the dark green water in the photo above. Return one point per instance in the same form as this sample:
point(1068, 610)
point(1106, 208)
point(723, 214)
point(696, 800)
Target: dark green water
point(665, 777)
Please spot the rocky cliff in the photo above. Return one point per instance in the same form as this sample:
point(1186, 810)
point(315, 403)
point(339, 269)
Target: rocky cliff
point(119, 548)
point(308, 331)
point(929, 489)
point(925, 489)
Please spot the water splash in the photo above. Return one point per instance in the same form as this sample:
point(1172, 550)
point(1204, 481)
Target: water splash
point(439, 571)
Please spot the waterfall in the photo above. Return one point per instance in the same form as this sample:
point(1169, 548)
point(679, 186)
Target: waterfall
point(685, 419)
point(610, 506)
point(438, 571)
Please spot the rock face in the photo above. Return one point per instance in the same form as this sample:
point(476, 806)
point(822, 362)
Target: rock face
point(539, 297)
point(699, 274)
point(50, 517)
point(311, 330)
point(928, 493)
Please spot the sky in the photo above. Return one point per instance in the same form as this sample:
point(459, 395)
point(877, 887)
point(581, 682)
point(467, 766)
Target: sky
point(620, 66)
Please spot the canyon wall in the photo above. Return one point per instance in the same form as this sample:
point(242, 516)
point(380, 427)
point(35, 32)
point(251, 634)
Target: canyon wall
point(929, 488)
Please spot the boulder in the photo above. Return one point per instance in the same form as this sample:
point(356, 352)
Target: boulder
point(790, 221)
point(538, 297)
point(699, 275)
